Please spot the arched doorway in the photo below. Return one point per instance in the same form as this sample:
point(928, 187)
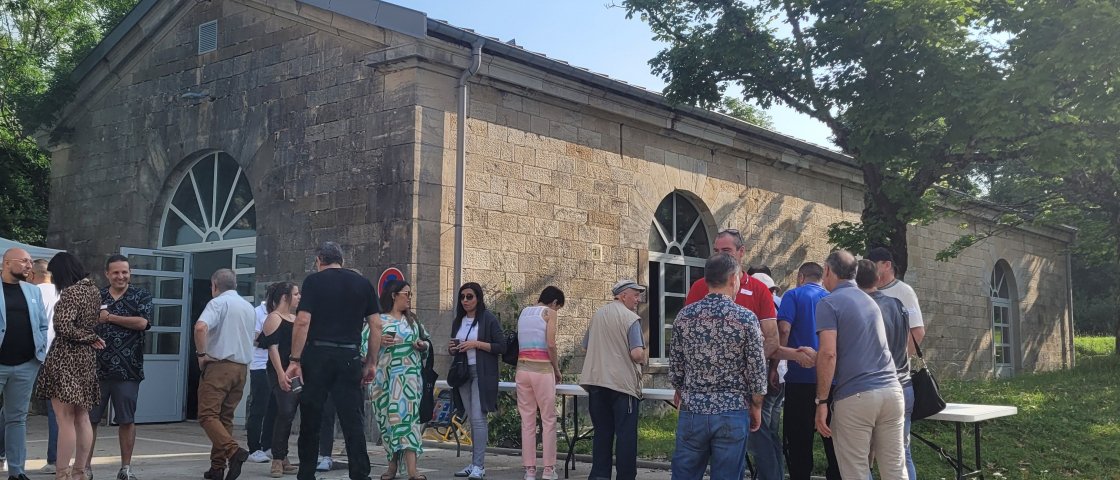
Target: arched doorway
point(211, 217)
point(1005, 321)
point(678, 248)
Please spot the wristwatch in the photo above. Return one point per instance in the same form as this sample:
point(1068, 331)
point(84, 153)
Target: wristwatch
point(200, 354)
point(293, 359)
point(820, 401)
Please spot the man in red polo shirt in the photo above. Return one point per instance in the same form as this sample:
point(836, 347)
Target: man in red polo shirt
point(754, 296)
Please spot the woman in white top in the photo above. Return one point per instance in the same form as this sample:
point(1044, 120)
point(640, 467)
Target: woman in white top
point(538, 372)
point(479, 335)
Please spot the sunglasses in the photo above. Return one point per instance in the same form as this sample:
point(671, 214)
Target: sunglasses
point(466, 296)
point(730, 231)
point(408, 293)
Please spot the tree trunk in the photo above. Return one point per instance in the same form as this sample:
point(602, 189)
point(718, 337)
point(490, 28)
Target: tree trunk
point(883, 229)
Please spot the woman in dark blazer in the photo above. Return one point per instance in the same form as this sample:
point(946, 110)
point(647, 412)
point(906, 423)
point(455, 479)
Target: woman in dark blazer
point(477, 333)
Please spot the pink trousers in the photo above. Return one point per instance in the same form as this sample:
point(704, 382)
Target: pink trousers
point(537, 390)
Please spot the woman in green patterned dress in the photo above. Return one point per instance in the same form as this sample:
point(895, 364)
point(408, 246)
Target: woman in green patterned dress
point(397, 386)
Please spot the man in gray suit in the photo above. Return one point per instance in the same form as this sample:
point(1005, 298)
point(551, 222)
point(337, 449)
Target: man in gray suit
point(23, 347)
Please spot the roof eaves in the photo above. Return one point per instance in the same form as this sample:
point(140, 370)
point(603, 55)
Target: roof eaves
point(443, 30)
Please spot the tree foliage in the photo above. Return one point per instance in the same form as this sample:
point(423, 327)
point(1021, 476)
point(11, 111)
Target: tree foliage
point(737, 108)
point(911, 90)
point(41, 41)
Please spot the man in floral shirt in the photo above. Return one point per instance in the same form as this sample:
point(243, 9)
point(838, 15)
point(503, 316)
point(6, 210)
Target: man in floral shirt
point(717, 366)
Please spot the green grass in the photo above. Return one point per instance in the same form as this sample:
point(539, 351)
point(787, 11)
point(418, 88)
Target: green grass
point(1094, 346)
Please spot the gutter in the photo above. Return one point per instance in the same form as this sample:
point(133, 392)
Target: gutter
point(461, 154)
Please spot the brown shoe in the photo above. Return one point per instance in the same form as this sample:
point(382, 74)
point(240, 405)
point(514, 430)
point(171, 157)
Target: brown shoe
point(290, 469)
point(277, 469)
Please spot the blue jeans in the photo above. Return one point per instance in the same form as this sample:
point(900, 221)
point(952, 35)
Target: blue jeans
point(717, 439)
point(908, 397)
point(17, 381)
point(765, 445)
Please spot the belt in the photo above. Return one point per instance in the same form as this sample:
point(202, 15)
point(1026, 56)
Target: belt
point(326, 343)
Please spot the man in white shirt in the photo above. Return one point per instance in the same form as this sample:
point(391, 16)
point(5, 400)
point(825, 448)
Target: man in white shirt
point(223, 338)
point(892, 287)
point(41, 277)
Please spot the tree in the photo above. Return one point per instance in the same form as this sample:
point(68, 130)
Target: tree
point(1066, 87)
point(910, 90)
point(736, 108)
point(41, 41)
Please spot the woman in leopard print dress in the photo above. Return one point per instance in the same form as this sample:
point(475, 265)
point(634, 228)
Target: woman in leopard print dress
point(69, 375)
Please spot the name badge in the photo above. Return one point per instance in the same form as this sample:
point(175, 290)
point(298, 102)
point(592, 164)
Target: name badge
point(745, 292)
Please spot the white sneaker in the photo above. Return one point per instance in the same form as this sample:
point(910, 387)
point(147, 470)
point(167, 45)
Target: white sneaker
point(550, 474)
point(477, 473)
point(465, 472)
point(259, 457)
point(48, 468)
point(125, 473)
point(325, 464)
point(268, 453)
point(530, 473)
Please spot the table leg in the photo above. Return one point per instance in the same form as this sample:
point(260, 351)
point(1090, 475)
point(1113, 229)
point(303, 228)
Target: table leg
point(976, 445)
point(960, 453)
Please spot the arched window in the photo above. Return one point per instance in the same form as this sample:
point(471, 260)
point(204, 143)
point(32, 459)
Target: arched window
point(678, 248)
point(1004, 315)
point(212, 203)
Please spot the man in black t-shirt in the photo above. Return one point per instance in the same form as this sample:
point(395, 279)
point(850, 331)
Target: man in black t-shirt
point(335, 304)
point(23, 348)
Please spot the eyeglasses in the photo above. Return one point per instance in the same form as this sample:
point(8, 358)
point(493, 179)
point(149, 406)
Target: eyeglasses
point(466, 296)
point(408, 293)
point(730, 231)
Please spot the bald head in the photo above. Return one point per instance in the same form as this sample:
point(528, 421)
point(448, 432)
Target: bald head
point(17, 265)
point(840, 266)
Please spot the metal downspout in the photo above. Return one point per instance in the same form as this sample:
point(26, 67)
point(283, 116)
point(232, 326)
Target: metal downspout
point(461, 157)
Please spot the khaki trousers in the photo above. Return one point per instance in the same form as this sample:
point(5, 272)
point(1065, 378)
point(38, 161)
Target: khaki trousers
point(869, 425)
point(219, 391)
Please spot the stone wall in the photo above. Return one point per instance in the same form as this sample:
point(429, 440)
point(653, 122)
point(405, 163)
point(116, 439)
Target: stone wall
point(562, 192)
point(347, 133)
point(956, 300)
point(318, 133)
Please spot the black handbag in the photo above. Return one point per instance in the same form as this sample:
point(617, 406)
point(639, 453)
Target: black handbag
point(927, 396)
point(427, 395)
point(460, 372)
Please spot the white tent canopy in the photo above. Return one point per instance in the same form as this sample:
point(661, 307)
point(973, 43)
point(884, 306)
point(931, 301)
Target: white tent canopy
point(36, 252)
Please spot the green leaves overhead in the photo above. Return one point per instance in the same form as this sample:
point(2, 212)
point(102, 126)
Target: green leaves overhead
point(41, 41)
point(917, 92)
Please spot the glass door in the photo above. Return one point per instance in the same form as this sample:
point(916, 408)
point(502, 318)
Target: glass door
point(166, 275)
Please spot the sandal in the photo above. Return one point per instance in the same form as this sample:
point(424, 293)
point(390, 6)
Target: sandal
point(388, 476)
point(418, 477)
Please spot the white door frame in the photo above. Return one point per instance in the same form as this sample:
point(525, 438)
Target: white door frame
point(156, 380)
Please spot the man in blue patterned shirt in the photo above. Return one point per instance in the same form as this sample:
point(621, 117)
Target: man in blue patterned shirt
point(717, 366)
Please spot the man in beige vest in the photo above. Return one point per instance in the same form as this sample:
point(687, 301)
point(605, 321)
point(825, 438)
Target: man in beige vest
point(612, 375)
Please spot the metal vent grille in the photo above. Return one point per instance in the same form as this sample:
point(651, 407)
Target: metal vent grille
point(208, 37)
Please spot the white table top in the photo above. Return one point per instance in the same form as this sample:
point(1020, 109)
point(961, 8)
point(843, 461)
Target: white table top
point(954, 412)
point(967, 412)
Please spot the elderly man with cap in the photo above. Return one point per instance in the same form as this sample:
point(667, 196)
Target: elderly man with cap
point(766, 445)
point(612, 377)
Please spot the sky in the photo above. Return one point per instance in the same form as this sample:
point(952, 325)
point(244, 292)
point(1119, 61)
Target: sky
point(589, 34)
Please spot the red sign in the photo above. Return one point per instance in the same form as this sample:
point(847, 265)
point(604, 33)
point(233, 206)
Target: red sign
point(390, 274)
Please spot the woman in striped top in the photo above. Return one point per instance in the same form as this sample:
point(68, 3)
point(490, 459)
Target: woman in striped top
point(538, 372)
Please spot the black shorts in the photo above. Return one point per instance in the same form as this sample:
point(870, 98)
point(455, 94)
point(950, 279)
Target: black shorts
point(123, 394)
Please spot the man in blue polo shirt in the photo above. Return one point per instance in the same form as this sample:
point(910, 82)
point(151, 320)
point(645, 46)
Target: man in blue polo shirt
point(797, 327)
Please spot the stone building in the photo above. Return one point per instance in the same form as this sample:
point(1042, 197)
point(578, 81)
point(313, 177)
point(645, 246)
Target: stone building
point(241, 133)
